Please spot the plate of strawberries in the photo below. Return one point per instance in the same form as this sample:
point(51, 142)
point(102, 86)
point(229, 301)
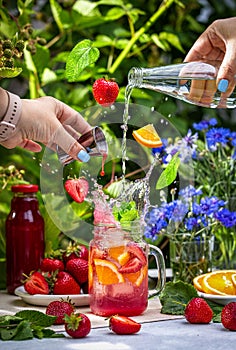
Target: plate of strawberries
point(63, 276)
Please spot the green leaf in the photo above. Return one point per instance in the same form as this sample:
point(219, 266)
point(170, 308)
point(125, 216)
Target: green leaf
point(176, 296)
point(81, 56)
point(170, 173)
point(9, 72)
point(37, 318)
point(21, 331)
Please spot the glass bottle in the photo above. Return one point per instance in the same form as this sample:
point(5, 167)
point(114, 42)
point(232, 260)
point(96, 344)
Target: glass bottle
point(24, 235)
point(118, 270)
point(192, 82)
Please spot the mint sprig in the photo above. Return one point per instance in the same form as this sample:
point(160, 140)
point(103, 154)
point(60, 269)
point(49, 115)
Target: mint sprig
point(27, 324)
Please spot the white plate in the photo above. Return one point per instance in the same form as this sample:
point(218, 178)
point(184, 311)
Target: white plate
point(44, 300)
point(219, 299)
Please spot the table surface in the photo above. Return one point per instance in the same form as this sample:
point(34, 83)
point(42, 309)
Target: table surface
point(160, 334)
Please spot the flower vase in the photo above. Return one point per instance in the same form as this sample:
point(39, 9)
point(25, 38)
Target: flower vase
point(190, 258)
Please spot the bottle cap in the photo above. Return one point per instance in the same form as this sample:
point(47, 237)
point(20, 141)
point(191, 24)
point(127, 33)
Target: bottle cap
point(24, 188)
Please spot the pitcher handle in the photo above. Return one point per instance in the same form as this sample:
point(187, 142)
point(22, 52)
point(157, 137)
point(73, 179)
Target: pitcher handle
point(161, 270)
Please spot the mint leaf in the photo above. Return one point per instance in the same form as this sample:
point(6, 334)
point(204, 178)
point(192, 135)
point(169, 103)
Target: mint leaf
point(125, 212)
point(176, 296)
point(81, 56)
point(169, 174)
point(36, 318)
point(22, 331)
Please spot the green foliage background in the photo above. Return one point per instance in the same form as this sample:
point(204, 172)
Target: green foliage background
point(86, 40)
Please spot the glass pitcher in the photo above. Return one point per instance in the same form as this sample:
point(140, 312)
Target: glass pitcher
point(118, 270)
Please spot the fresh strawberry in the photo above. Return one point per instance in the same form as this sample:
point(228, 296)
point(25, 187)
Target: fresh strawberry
point(75, 250)
point(77, 189)
point(50, 265)
point(123, 325)
point(60, 308)
point(105, 91)
point(136, 251)
point(77, 325)
point(35, 283)
point(133, 265)
point(228, 316)
point(78, 268)
point(65, 284)
point(198, 311)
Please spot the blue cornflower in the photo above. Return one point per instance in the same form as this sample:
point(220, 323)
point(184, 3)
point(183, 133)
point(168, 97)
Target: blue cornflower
point(160, 149)
point(191, 223)
point(189, 192)
point(179, 211)
point(226, 217)
point(210, 205)
point(204, 124)
point(216, 136)
point(233, 138)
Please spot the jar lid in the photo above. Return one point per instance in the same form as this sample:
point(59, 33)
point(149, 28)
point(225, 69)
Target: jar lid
point(25, 188)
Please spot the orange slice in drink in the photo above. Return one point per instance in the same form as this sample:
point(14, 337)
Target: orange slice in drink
point(219, 282)
point(136, 277)
point(107, 272)
point(119, 254)
point(147, 136)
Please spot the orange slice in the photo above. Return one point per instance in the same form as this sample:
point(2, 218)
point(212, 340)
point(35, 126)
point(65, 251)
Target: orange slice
point(136, 277)
point(147, 136)
point(234, 279)
point(107, 272)
point(119, 254)
point(197, 282)
point(219, 282)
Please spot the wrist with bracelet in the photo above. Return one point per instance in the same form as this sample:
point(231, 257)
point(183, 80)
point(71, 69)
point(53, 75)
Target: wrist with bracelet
point(10, 119)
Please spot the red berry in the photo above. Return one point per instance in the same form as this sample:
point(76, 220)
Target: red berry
point(105, 91)
point(59, 308)
point(133, 265)
point(78, 268)
point(123, 325)
point(228, 316)
point(77, 325)
point(65, 284)
point(75, 250)
point(50, 265)
point(198, 311)
point(35, 283)
point(77, 189)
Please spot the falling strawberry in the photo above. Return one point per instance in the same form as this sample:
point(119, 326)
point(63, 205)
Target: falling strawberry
point(228, 316)
point(65, 284)
point(77, 325)
point(105, 91)
point(60, 308)
point(35, 283)
point(123, 325)
point(198, 311)
point(50, 265)
point(77, 189)
point(78, 268)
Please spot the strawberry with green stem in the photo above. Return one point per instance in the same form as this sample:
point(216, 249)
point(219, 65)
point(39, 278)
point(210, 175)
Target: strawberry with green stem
point(105, 91)
point(77, 325)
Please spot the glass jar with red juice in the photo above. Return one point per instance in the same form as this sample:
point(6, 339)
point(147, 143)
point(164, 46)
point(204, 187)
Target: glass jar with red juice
point(24, 235)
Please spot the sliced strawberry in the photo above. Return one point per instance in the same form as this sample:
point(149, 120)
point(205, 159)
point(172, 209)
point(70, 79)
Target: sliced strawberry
point(77, 189)
point(133, 265)
point(134, 249)
point(35, 283)
point(123, 325)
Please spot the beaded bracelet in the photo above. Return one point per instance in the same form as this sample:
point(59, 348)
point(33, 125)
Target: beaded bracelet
point(11, 117)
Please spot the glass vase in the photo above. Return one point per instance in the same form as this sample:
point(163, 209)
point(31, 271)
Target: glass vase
point(190, 258)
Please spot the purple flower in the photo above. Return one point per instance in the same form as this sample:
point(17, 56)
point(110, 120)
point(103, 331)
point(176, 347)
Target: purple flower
point(204, 124)
point(210, 205)
point(217, 136)
point(189, 191)
point(226, 217)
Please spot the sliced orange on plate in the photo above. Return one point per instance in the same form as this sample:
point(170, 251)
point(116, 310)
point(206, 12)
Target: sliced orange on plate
point(147, 136)
point(107, 272)
point(219, 282)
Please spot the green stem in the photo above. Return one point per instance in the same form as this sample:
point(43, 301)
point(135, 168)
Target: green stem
point(163, 7)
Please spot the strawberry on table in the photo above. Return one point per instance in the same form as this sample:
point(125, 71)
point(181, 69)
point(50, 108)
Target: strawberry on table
point(78, 268)
point(35, 283)
point(65, 284)
point(77, 189)
point(198, 311)
point(50, 265)
point(123, 325)
point(105, 91)
point(77, 325)
point(60, 308)
point(228, 316)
